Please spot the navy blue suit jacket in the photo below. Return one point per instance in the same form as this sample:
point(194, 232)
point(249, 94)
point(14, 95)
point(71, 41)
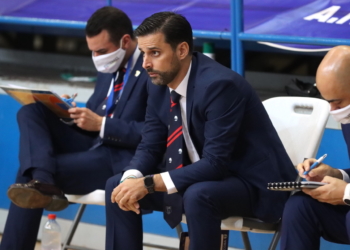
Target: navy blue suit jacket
point(346, 134)
point(230, 130)
point(123, 131)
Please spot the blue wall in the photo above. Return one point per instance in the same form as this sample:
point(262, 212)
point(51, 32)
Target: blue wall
point(332, 143)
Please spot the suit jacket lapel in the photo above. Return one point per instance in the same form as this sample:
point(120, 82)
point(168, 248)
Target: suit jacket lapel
point(190, 91)
point(133, 77)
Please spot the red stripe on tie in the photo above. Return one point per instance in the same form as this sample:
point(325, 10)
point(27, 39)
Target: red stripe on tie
point(173, 104)
point(173, 134)
point(180, 166)
point(115, 90)
point(118, 85)
point(175, 137)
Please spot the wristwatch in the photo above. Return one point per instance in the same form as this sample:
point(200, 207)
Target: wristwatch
point(149, 183)
point(346, 197)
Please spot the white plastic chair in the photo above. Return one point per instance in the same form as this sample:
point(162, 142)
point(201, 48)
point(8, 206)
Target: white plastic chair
point(300, 123)
point(96, 197)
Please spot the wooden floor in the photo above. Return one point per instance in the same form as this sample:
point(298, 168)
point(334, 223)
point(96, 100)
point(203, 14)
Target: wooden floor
point(38, 246)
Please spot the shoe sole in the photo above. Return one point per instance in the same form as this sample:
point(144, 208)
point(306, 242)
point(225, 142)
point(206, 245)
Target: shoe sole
point(57, 203)
point(28, 198)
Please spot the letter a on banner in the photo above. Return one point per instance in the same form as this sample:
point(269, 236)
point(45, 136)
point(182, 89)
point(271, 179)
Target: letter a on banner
point(323, 15)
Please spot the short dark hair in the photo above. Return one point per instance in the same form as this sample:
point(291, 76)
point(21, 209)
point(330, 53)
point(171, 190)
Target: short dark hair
point(175, 28)
point(109, 18)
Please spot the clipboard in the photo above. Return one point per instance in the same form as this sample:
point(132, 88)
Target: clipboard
point(50, 99)
point(293, 185)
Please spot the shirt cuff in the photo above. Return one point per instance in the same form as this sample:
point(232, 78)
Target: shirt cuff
point(102, 131)
point(133, 172)
point(347, 193)
point(169, 184)
point(345, 176)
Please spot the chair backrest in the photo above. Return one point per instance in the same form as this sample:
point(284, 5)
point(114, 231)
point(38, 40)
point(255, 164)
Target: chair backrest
point(300, 123)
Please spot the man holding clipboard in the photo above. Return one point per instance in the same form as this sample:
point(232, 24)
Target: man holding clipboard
point(324, 211)
point(57, 158)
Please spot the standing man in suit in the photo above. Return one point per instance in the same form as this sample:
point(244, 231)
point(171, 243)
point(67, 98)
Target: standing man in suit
point(77, 158)
point(324, 211)
point(220, 146)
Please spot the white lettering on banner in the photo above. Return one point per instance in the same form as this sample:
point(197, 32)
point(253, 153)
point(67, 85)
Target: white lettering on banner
point(344, 19)
point(326, 14)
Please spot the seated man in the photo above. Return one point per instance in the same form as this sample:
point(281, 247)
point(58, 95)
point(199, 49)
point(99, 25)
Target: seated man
point(58, 158)
point(323, 212)
point(220, 146)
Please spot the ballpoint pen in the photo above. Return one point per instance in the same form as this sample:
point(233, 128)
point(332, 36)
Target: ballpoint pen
point(70, 100)
point(316, 163)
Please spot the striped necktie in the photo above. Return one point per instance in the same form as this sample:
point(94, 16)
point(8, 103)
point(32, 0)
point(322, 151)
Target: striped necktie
point(114, 95)
point(174, 160)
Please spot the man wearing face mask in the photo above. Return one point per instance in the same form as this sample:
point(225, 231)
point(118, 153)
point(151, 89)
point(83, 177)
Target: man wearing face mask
point(324, 211)
point(77, 158)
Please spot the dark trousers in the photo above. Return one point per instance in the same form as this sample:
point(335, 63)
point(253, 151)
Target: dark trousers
point(63, 151)
point(305, 220)
point(205, 205)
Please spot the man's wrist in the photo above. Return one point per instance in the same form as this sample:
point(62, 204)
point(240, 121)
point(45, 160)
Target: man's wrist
point(337, 173)
point(149, 183)
point(128, 177)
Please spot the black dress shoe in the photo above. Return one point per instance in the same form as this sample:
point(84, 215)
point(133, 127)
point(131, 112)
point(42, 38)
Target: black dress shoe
point(35, 194)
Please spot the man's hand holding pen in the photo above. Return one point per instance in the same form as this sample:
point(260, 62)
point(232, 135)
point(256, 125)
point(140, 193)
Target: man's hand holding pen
point(318, 172)
point(331, 193)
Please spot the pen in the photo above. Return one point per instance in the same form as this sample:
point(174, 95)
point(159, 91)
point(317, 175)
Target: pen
point(70, 100)
point(316, 163)
point(73, 97)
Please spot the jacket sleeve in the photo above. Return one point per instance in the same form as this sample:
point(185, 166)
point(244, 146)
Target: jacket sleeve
point(149, 154)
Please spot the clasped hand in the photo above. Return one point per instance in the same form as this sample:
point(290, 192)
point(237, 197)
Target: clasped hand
point(128, 193)
point(331, 193)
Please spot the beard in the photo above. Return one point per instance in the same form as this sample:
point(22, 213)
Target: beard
point(165, 77)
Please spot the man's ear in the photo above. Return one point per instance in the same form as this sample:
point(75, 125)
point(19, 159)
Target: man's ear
point(126, 41)
point(182, 50)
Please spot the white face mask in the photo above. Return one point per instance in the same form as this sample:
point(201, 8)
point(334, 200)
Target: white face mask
point(341, 115)
point(109, 63)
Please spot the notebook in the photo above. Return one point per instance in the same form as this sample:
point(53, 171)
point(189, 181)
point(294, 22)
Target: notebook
point(50, 99)
point(293, 185)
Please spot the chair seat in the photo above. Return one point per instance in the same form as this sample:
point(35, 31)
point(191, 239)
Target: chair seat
point(248, 225)
point(96, 197)
point(245, 224)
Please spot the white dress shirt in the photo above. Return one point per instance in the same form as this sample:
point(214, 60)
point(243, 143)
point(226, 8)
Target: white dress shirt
point(347, 189)
point(192, 152)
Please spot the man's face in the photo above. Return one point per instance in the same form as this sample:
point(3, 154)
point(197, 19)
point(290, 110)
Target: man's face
point(159, 59)
point(101, 44)
point(334, 90)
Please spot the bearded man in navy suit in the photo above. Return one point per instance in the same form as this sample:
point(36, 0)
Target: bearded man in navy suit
point(230, 149)
point(77, 158)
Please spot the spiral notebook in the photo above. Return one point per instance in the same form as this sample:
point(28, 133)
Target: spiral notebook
point(293, 185)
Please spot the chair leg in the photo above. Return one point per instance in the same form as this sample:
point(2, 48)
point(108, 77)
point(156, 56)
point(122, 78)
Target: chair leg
point(276, 237)
point(179, 230)
point(74, 226)
point(246, 241)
